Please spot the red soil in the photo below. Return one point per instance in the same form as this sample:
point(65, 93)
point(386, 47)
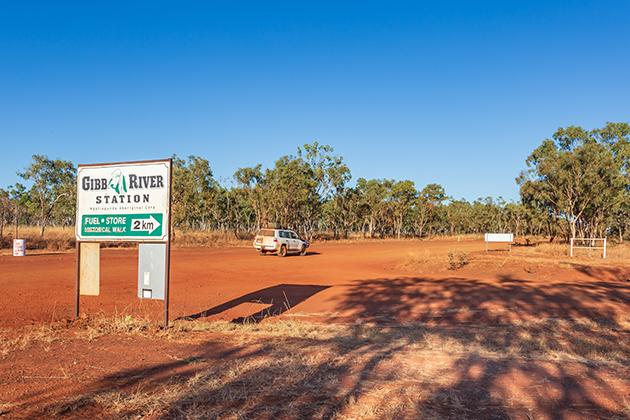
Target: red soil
point(334, 282)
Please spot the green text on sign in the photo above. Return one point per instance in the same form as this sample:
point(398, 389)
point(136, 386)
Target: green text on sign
point(117, 225)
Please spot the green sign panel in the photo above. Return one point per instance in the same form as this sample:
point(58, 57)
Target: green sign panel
point(117, 225)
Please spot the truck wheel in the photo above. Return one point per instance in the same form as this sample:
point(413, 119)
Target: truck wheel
point(283, 251)
point(303, 250)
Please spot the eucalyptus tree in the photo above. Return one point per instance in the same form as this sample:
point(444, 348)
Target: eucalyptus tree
point(432, 196)
point(402, 196)
point(54, 182)
point(5, 206)
point(329, 175)
point(291, 183)
point(221, 205)
point(19, 199)
point(242, 211)
point(329, 172)
point(254, 185)
point(193, 192)
point(516, 216)
point(350, 209)
point(580, 177)
point(372, 196)
point(458, 214)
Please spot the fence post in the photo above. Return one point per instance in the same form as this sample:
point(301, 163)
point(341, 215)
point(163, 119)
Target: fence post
point(604, 247)
point(571, 247)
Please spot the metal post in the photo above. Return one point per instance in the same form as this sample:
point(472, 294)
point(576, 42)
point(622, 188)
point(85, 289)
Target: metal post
point(571, 247)
point(78, 279)
point(168, 280)
point(168, 247)
point(604, 247)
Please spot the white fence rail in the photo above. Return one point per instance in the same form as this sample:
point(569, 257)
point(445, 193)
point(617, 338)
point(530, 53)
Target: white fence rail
point(591, 244)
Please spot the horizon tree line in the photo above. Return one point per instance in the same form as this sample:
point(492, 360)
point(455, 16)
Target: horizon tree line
point(576, 185)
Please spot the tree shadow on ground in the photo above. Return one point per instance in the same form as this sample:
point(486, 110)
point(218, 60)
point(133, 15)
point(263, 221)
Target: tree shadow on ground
point(598, 273)
point(456, 300)
point(279, 299)
point(484, 362)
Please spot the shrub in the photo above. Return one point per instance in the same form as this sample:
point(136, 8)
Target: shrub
point(456, 259)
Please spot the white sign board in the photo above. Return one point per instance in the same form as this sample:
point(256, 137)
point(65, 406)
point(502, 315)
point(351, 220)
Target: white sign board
point(124, 201)
point(499, 237)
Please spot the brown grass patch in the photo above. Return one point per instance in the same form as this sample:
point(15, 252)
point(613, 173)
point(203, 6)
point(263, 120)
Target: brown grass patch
point(293, 369)
point(57, 239)
point(535, 254)
point(190, 238)
point(423, 262)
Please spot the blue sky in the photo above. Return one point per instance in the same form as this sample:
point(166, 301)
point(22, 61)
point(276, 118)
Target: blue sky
point(457, 93)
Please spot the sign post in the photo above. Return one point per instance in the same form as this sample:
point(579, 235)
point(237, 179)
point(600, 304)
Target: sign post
point(126, 202)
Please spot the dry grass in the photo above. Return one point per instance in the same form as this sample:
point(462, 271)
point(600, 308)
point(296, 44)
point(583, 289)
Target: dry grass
point(58, 239)
point(301, 370)
point(191, 238)
point(55, 239)
point(534, 258)
point(583, 337)
point(615, 252)
point(424, 262)
point(359, 237)
point(552, 250)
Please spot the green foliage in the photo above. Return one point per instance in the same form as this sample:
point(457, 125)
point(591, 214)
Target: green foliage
point(192, 193)
point(54, 186)
point(294, 191)
point(577, 183)
point(579, 179)
point(5, 206)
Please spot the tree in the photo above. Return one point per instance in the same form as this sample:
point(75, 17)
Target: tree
point(373, 194)
point(52, 181)
point(192, 191)
point(516, 214)
point(402, 196)
point(329, 175)
point(5, 205)
point(349, 211)
point(20, 201)
point(254, 186)
point(432, 196)
point(292, 186)
point(578, 177)
point(458, 213)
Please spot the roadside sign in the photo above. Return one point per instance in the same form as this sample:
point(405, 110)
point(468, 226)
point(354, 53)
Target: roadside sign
point(129, 201)
point(123, 201)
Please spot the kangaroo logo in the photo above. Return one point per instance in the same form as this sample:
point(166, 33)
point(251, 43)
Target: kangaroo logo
point(117, 182)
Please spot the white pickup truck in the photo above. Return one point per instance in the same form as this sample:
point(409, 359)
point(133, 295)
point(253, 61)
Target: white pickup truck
point(280, 241)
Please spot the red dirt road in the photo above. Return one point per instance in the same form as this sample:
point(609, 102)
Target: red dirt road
point(334, 282)
point(342, 283)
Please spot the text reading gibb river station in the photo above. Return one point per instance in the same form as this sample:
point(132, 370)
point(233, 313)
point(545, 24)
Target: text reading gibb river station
point(135, 182)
